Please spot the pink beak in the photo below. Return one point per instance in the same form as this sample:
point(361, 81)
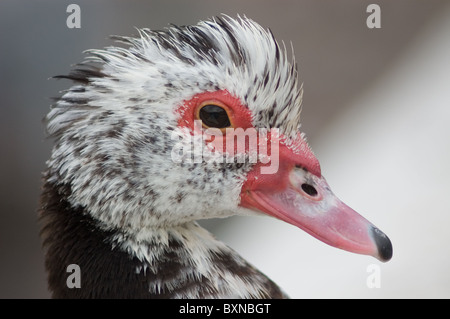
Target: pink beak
point(299, 195)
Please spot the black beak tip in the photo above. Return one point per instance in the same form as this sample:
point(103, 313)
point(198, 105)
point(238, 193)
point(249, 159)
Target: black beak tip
point(383, 243)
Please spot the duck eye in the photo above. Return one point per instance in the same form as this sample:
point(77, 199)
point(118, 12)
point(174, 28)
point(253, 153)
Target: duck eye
point(309, 189)
point(214, 116)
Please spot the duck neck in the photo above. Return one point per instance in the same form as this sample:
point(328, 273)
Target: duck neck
point(183, 261)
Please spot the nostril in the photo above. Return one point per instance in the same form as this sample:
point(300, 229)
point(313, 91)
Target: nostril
point(309, 189)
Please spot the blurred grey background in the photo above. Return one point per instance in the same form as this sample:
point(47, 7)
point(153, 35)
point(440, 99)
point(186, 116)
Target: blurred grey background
point(376, 112)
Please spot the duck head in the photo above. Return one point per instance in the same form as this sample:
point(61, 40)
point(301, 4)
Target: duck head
point(196, 122)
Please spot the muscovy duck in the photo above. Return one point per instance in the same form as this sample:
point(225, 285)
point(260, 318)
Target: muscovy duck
point(127, 180)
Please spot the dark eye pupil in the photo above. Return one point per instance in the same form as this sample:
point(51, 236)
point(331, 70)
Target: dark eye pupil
point(309, 189)
point(214, 116)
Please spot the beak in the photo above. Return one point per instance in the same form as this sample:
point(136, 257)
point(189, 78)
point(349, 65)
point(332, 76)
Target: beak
point(299, 195)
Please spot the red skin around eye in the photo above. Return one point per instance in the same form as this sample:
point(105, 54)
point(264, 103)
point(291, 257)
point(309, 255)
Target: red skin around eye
point(240, 115)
